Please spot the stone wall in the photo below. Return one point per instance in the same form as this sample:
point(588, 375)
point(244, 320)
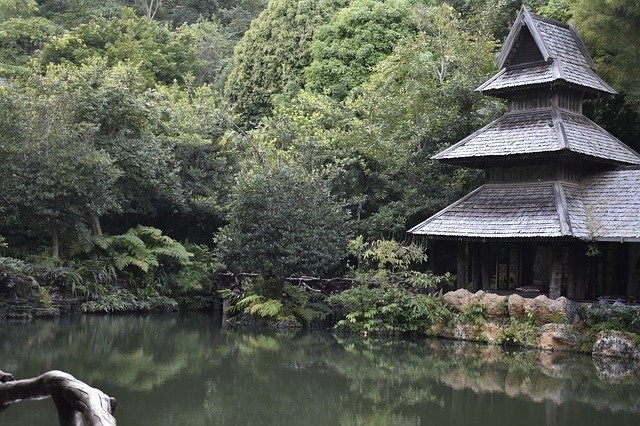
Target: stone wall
point(542, 323)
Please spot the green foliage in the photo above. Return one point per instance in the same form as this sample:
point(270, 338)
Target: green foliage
point(274, 301)
point(345, 50)
point(273, 53)
point(20, 37)
point(254, 304)
point(559, 10)
point(473, 314)
point(163, 55)
point(141, 256)
point(419, 100)
point(389, 262)
point(54, 176)
point(386, 309)
point(611, 31)
point(196, 276)
point(283, 221)
point(517, 332)
point(608, 317)
point(120, 301)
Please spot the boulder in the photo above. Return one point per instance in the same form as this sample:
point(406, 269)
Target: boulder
point(616, 344)
point(516, 306)
point(466, 332)
point(496, 305)
point(490, 333)
point(557, 337)
point(545, 310)
point(460, 299)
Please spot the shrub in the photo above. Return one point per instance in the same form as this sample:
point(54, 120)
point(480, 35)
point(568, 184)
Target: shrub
point(386, 309)
point(474, 314)
point(519, 332)
point(121, 300)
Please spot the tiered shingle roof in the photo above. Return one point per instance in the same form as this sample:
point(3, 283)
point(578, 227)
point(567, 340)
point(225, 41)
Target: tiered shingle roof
point(541, 132)
point(604, 207)
point(543, 74)
point(564, 58)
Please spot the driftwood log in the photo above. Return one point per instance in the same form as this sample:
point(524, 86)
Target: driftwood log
point(77, 403)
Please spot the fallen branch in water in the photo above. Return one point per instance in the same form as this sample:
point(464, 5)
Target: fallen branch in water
point(77, 403)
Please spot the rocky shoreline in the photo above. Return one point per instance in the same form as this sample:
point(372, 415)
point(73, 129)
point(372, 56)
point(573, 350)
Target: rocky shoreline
point(539, 323)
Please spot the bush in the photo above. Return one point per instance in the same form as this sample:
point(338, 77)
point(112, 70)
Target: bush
point(389, 262)
point(274, 302)
point(387, 309)
point(519, 332)
point(142, 257)
point(121, 301)
point(474, 314)
point(284, 221)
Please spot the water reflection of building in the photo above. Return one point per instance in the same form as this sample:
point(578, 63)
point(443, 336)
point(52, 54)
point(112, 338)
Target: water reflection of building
point(560, 207)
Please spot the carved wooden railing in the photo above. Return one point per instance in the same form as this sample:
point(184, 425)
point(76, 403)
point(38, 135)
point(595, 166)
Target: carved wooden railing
point(77, 403)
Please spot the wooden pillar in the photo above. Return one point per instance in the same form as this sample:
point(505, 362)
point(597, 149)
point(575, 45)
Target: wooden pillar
point(555, 284)
point(633, 267)
point(461, 272)
point(476, 269)
point(485, 260)
point(528, 256)
point(573, 276)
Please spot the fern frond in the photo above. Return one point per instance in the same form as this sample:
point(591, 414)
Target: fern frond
point(146, 230)
point(177, 252)
point(129, 242)
point(270, 309)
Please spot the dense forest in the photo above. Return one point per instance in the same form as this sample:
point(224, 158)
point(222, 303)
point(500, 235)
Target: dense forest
point(145, 144)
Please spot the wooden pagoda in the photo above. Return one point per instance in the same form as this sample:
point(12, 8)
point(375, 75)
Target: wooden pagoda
point(560, 208)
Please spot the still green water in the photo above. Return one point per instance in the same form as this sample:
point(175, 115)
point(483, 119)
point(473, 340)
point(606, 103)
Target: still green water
point(185, 370)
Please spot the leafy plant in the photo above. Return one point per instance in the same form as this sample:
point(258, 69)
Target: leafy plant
point(388, 261)
point(121, 300)
point(474, 314)
point(519, 332)
point(140, 256)
point(386, 309)
point(300, 303)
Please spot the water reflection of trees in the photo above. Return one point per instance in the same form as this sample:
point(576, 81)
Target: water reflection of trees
point(186, 370)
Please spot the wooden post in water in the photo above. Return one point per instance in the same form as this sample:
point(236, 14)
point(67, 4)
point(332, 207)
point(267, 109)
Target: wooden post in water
point(225, 310)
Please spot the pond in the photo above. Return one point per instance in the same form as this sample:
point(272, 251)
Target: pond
point(186, 370)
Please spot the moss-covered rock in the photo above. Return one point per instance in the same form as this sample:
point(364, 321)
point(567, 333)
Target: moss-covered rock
point(617, 344)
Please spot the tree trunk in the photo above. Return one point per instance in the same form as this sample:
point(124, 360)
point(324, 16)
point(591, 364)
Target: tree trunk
point(55, 241)
point(77, 403)
point(94, 222)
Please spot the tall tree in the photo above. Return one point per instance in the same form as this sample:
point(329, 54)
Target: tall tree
point(419, 100)
point(53, 175)
point(163, 55)
point(345, 50)
point(284, 221)
point(272, 54)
